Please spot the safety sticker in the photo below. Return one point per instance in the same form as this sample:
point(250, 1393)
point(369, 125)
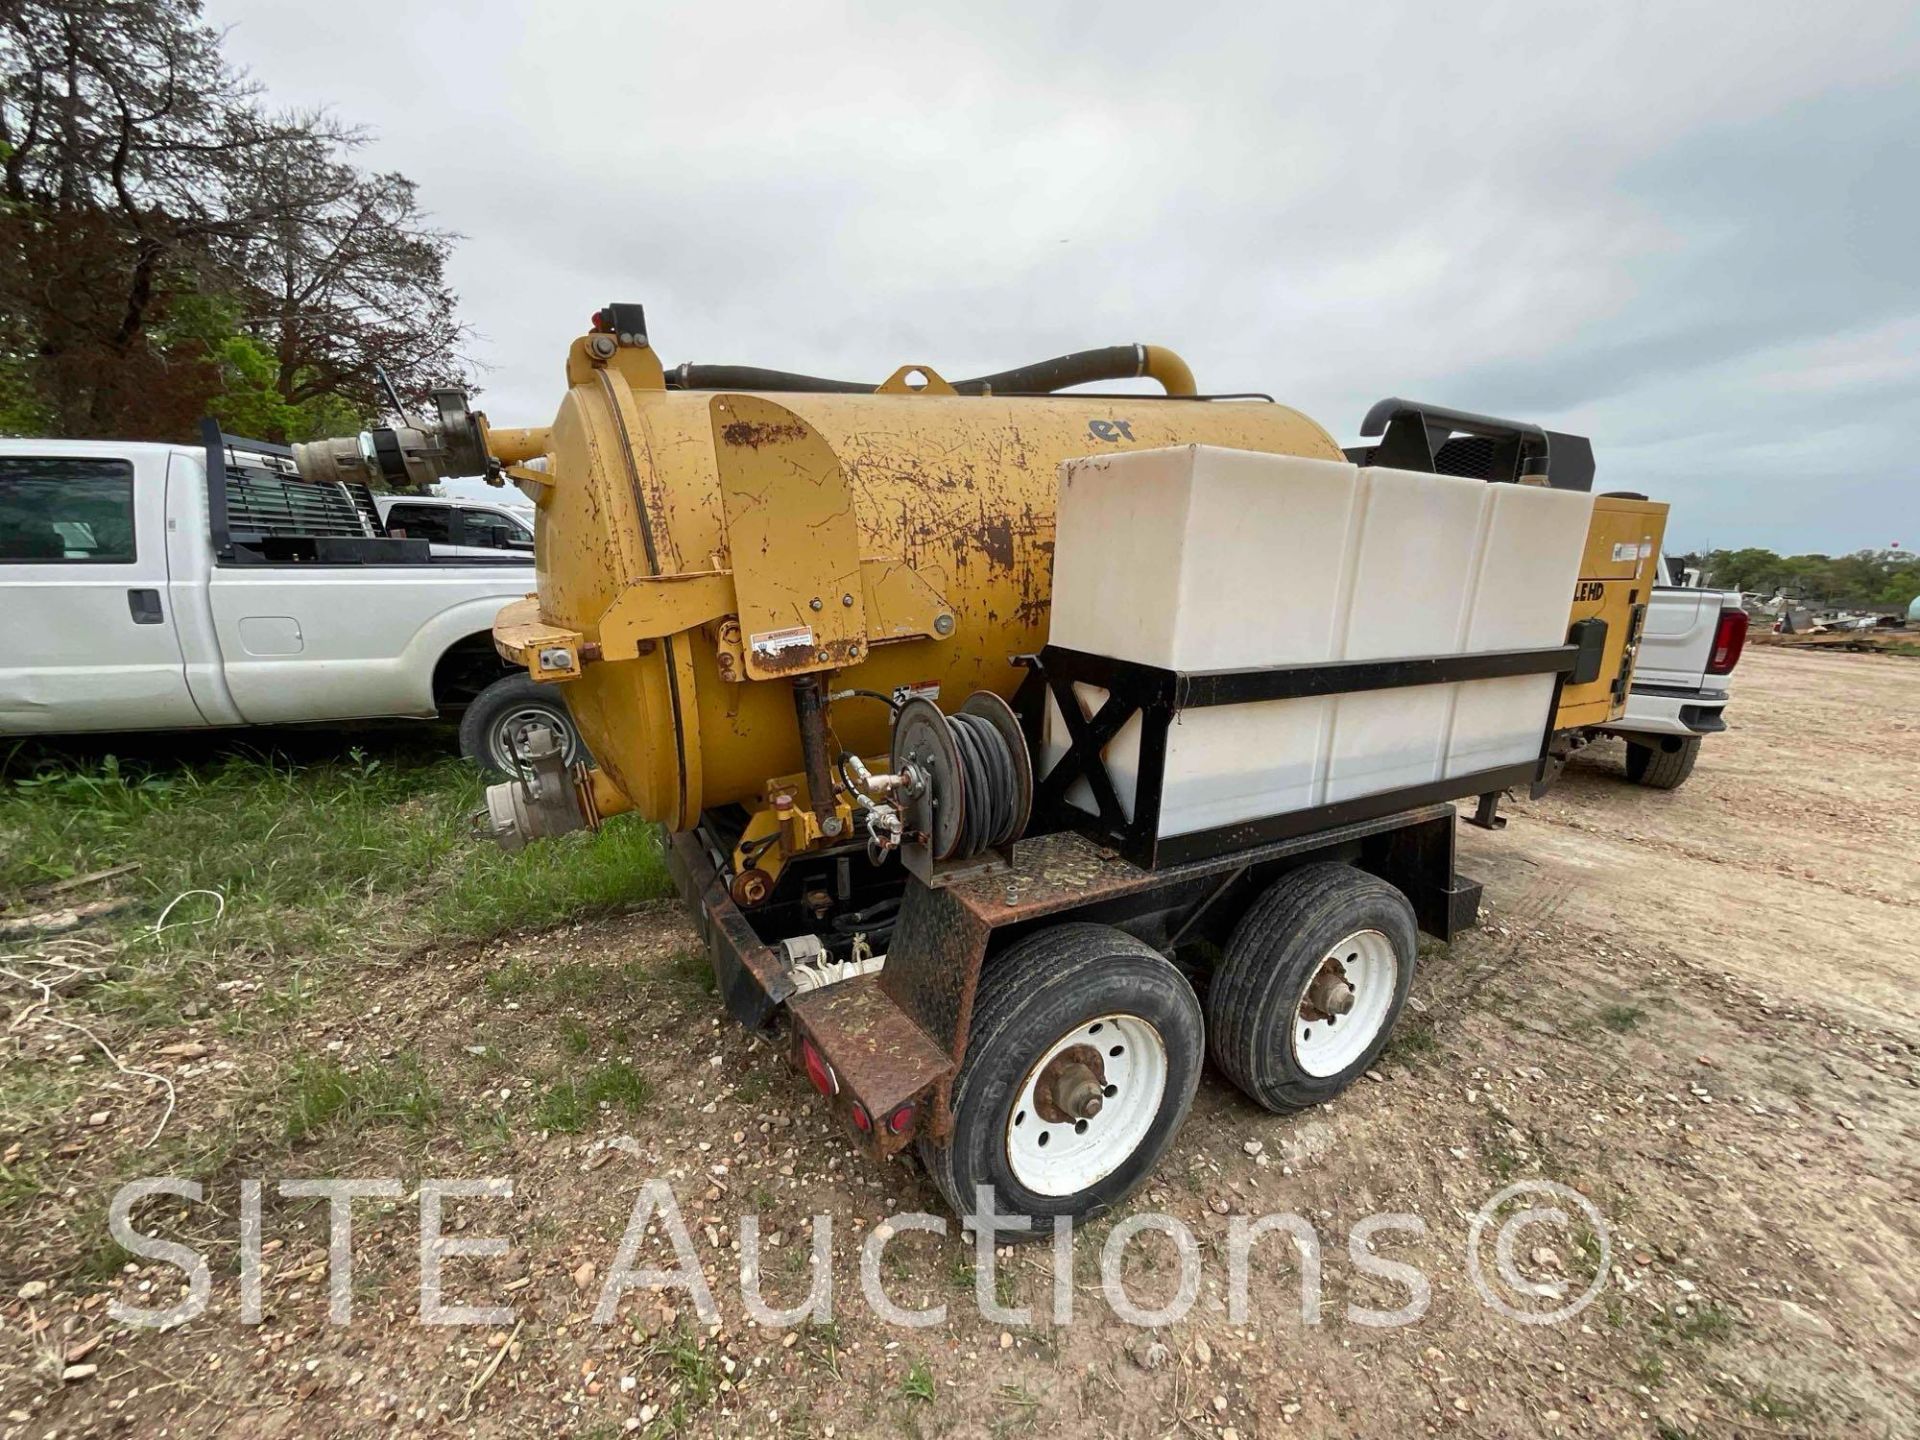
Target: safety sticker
point(773, 642)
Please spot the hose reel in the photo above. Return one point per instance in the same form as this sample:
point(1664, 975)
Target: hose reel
point(966, 785)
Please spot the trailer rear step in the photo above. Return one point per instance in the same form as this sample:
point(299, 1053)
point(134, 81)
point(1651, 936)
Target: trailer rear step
point(876, 1060)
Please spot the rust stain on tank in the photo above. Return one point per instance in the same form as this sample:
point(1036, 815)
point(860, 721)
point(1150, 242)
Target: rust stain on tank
point(753, 435)
point(996, 539)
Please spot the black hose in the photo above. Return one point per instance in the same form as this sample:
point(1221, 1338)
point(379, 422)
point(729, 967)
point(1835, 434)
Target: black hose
point(987, 775)
point(886, 700)
point(1082, 367)
point(752, 377)
point(1111, 362)
point(881, 912)
point(860, 799)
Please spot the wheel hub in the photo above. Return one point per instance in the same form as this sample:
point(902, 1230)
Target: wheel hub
point(1331, 993)
point(1072, 1086)
point(1346, 1004)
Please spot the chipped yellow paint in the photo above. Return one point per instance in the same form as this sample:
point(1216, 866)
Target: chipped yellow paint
point(898, 604)
point(791, 539)
point(960, 491)
point(523, 638)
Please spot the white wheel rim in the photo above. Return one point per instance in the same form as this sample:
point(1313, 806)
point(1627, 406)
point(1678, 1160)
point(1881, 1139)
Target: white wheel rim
point(1063, 1158)
point(1325, 1045)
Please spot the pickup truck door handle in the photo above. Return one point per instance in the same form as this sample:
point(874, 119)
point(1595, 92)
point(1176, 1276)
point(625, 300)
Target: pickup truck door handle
point(145, 607)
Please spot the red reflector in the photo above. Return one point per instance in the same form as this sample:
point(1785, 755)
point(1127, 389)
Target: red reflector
point(862, 1121)
point(818, 1070)
point(900, 1118)
point(1729, 639)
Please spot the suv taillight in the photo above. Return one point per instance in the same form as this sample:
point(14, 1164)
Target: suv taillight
point(1729, 639)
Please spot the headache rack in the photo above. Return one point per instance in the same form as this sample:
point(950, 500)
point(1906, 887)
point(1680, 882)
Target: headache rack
point(265, 513)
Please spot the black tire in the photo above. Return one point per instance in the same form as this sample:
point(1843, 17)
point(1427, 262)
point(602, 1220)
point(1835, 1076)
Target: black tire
point(1032, 997)
point(1659, 768)
point(1274, 954)
point(497, 713)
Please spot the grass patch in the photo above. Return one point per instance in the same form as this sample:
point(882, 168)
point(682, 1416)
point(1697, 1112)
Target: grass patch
point(1650, 1370)
point(324, 1096)
point(694, 1369)
point(753, 1088)
point(572, 982)
point(512, 980)
point(694, 972)
point(319, 846)
point(1412, 1040)
point(1621, 1018)
point(918, 1384)
point(570, 1104)
point(1708, 1322)
point(1779, 1405)
point(18, 1185)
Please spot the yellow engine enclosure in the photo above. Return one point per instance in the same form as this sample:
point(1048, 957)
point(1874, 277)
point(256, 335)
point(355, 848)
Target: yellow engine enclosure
point(948, 500)
point(1617, 573)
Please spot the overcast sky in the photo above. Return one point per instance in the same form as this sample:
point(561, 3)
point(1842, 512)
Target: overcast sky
point(1691, 231)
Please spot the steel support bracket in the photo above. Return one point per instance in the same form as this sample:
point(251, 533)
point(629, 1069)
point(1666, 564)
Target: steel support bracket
point(660, 605)
point(899, 605)
point(549, 653)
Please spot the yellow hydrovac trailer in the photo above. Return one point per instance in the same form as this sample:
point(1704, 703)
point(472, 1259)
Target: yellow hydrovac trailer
point(804, 625)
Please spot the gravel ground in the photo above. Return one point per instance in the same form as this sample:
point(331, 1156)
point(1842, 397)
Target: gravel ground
point(1695, 1008)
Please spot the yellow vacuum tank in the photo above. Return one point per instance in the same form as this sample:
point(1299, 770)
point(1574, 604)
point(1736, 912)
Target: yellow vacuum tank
point(701, 549)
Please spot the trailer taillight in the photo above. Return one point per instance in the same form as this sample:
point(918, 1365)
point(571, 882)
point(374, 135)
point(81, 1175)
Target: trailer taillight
point(862, 1121)
point(901, 1118)
point(818, 1070)
point(1729, 639)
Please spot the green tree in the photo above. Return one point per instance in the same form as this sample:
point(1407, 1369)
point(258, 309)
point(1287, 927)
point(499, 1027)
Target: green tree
point(1866, 577)
point(141, 175)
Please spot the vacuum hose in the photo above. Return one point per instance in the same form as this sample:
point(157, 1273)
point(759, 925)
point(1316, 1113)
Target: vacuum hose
point(1083, 367)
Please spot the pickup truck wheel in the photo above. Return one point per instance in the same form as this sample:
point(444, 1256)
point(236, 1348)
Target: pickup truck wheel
point(494, 729)
point(1660, 768)
point(1083, 1059)
point(1313, 978)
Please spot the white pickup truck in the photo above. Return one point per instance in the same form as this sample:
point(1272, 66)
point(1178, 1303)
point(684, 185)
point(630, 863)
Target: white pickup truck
point(1689, 643)
point(134, 597)
point(459, 527)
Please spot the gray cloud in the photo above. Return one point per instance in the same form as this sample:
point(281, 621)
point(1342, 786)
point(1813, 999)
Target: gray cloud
point(1687, 230)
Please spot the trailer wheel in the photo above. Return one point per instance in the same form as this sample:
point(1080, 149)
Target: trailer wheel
point(1085, 1051)
point(1659, 768)
point(495, 725)
point(1313, 978)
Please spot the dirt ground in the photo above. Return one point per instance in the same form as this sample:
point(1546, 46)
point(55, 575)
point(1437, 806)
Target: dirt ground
point(1698, 1009)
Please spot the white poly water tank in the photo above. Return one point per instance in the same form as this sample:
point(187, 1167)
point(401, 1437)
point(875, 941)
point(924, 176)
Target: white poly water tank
point(1199, 559)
